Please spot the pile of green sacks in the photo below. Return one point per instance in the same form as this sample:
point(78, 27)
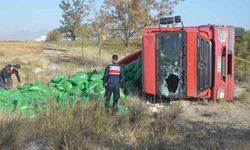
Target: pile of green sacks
point(67, 90)
point(132, 76)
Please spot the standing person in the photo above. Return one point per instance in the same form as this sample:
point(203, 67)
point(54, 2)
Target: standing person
point(113, 81)
point(5, 75)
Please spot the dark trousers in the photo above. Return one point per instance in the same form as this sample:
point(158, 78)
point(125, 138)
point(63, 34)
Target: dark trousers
point(116, 95)
point(7, 85)
point(1, 81)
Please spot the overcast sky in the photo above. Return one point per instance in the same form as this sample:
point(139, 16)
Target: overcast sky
point(29, 19)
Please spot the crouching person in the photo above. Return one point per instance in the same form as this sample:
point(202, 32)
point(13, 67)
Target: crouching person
point(5, 75)
point(113, 81)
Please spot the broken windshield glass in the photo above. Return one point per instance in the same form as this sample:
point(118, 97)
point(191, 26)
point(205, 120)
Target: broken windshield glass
point(171, 64)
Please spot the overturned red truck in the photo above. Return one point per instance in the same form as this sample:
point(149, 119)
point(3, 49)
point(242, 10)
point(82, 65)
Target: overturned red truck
point(187, 62)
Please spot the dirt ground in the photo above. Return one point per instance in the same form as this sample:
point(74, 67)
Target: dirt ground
point(44, 61)
point(234, 114)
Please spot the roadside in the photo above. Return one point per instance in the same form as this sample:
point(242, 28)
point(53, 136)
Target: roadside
point(178, 123)
point(45, 61)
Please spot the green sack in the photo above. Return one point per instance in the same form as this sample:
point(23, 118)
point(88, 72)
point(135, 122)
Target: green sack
point(75, 91)
point(67, 86)
point(79, 75)
point(93, 84)
point(102, 72)
point(24, 86)
point(82, 86)
point(103, 91)
point(85, 95)
point(4, 93)
point(99, 88)
point(58, 78)
point(64, 86)
point(62, 97)
point(89, 91)
point(77, 82)
point(123, 109)
point(96, 77)
point(23, 103)
point(36, 88)
point(60, 87)
point(14, 95)
point(38, 106)
point(91, 73)
point(30, 98)
point(36, 96)
point(6, 103)
point(122, 95)
point(78, 78)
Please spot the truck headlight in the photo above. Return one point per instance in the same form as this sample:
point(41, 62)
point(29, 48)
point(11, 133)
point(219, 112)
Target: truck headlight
point(221, 93)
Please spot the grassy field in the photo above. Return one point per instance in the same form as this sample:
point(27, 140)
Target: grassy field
point(176, 125)
point(39, 63)
point(88, 126)
point(9, 48)
point(112, 45)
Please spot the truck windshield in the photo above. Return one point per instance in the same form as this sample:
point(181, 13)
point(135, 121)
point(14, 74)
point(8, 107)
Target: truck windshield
point(170, 53)
point(171, 46)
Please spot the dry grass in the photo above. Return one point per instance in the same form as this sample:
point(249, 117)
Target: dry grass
point(43, 65)
point(12, 52)
point(88, 126)
point(113, 45)
point(8, 48)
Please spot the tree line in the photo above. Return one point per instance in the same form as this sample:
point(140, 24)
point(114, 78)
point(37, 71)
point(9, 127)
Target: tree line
point(101, 19)
point(242, 51)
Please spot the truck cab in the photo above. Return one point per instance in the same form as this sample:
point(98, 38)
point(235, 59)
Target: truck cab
point(188, 62)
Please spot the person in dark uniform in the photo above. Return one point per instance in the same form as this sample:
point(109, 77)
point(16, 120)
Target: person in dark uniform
point(5, 75)
point(113, 81)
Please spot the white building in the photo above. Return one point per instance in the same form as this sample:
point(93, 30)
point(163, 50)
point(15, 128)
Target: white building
point(42, 38)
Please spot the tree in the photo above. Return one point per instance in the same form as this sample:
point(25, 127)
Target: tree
point(54, 36)
point(84, 32)
point(74, 12)
point(127, 18)
point(243, 46)
point(100, 32)
point(99, 28)
point(243, 55)
point(165, 7)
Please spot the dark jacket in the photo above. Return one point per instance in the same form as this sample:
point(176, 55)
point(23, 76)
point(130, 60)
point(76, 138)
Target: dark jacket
point(7, 71)
point(113, 75)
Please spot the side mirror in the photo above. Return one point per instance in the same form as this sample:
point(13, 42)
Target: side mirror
point(177, 19)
